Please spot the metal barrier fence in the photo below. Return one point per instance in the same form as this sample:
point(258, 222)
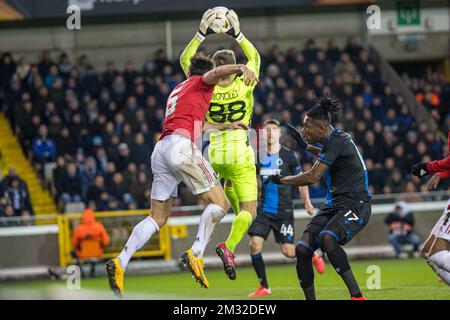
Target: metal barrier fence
point(119, 225)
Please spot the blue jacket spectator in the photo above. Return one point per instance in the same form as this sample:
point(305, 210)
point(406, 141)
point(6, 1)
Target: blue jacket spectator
point(44, 148)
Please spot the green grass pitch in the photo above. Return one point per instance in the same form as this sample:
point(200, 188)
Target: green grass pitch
point(400, 279)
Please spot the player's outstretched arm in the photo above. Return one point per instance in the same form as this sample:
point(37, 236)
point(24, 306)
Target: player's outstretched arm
point(213, 76)
point(437, 166)
point(302, 179)
point(190, 50)
point(254, 60)
point(301, 142)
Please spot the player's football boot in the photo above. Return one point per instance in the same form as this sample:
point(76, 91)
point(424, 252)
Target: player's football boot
point(359, 298)
point(115, 276)
point(195, 266)
point(227, 258)
point(261, 292)
point(318, 263)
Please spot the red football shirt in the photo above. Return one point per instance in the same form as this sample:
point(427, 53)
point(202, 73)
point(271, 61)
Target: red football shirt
point(186, 108)
point(442, 167)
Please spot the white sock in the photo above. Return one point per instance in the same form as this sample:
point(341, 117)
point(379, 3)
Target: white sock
point(441, 259)
point(142, 232)
point(209, 220)
point(444, 275)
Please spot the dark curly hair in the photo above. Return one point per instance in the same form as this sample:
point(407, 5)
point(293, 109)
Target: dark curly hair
point(200, 64)
point(325, 109)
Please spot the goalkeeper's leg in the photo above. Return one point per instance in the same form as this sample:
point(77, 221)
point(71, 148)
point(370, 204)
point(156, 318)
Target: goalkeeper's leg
point(243, 179)
point(232, 196)
point(241, 223)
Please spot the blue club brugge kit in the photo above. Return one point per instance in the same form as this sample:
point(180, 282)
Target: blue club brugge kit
point(347, 209)
point(275, 210)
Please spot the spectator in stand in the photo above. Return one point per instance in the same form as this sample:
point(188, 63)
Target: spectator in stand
point(96, 190)
point(120, 190)
point(44, 148)
point(89, 239)
point(401, 229)
point(123, 157)
point(18, 198)
point(71, 185)
point(12, 174)
point(140, 153)
point(141, 191)
point(7, 214)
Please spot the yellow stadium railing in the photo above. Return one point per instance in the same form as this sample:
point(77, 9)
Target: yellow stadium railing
point(119, 225)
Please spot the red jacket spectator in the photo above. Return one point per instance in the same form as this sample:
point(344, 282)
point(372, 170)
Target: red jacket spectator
point(90, 237)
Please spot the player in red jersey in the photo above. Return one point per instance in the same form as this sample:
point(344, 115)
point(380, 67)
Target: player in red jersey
point(436, 247)
point(176, 159)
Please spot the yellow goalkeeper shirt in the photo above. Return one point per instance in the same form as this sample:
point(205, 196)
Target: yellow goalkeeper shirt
point(233, 102)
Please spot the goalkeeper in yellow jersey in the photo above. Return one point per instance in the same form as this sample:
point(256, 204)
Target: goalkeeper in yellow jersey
point(230, 153)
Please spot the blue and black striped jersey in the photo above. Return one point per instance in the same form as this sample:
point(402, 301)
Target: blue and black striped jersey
point(277, 199)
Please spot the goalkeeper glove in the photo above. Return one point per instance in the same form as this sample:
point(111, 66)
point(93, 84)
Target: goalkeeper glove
point(420, 169)
point(298, 137)
point(204, 29)
point(235, 30)
point(274, 179)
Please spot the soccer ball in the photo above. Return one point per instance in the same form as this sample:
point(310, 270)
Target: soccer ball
point(220, 24)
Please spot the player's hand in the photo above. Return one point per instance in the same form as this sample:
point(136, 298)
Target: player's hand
point(433, 182)
point(420, 169)
point(235, 30)
point(249, 76)
point(298, 137)
point(237, 125)
point(205, 24)
point(309, 208)
point(274, 179)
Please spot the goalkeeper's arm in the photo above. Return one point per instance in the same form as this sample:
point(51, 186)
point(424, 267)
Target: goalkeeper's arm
point(254, 60)
point(191, 48)
point(188, 53)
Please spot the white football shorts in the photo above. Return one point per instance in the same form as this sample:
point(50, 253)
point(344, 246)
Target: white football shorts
point(442, 227)
point(175, 159)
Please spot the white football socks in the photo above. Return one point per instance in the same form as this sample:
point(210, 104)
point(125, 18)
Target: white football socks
point(441, 259)
point(142, 232)
point(209, 220)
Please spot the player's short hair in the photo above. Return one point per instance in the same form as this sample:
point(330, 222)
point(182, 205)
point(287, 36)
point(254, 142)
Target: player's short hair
point(200, 64)
point(272, 121)
point(325, 109)
point(223, 57)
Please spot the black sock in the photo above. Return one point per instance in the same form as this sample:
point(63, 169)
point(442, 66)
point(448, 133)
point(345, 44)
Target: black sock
point(305, 272)
point(339, 260)
point(260, 268)
point(351, 283)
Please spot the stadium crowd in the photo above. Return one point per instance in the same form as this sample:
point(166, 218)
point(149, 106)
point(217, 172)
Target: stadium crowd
point(100, 126)
point(434, 93)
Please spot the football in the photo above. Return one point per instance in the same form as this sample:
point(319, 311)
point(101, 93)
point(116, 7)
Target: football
point(220, 24)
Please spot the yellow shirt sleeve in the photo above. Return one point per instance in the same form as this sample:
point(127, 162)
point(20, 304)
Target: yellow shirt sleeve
point(188, 53)
point(254, 60)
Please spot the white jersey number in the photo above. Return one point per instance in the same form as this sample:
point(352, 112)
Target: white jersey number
point(287, 229)
point(172, 100)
